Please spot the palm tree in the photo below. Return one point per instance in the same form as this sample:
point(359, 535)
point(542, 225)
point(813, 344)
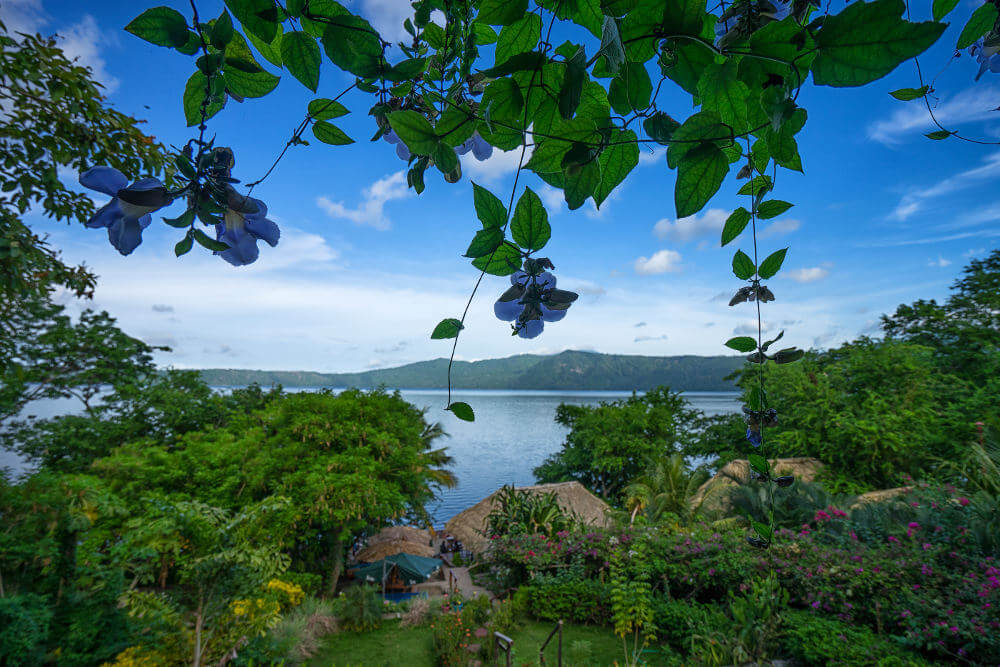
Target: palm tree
point(437, 460)
point(666, 486)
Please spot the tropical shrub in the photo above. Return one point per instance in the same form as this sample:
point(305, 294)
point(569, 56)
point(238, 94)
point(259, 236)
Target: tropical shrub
point(822, 640)
point(578, 600)
point(517, 512)
point(24, 629)
point(359, 608)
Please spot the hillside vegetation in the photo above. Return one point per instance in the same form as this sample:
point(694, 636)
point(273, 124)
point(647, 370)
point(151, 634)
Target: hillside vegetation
point(566, 370)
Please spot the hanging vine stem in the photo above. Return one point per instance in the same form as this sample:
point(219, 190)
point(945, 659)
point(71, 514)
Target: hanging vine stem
point(510, 205)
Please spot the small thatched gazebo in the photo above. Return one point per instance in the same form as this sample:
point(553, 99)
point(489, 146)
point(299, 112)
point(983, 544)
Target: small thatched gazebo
point(397, 540)
point(573, 497)
point(713, 494)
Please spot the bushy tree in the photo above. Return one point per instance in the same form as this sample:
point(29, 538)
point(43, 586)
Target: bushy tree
point(609, 444)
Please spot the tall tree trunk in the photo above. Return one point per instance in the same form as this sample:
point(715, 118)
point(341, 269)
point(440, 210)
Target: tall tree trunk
point(197, 632)
point(337, 553)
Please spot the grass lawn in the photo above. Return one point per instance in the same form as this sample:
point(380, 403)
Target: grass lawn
point(412, 647)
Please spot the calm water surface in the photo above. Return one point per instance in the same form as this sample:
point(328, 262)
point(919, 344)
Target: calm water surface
point(514, 431)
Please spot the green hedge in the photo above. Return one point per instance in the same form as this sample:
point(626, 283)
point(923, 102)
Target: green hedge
point(579, 601)
point(815, 640)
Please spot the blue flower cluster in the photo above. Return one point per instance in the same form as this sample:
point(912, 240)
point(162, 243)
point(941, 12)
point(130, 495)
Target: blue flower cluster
point(244, 220)
point(529, 305)
point(988, 57)
point(244, 223)
point(128, 212)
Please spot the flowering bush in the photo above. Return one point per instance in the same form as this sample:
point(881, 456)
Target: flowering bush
point(455, 641)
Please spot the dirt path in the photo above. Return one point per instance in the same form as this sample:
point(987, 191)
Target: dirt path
point(464, 582)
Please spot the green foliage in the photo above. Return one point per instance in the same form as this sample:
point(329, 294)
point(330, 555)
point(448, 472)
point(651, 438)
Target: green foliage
point(665, 489)
point(55, 116)
point(576, 600)
point(517, 512)
point(359, 608)
point(24, 628)
point(816, 639)
point(608, 444)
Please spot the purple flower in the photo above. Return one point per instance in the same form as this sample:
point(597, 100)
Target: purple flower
point(479, 147)
point(754, 438)
point(127, 214)
point(401, 150)
point(988, 57)
point(245, 222)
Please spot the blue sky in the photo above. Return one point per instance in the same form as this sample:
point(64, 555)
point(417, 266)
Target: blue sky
point(365, 268)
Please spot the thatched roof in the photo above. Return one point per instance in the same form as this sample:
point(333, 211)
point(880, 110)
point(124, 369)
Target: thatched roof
point(572, 497)
point(881, 495)
point(396, 533)
point(386, 548)
point(712, 495)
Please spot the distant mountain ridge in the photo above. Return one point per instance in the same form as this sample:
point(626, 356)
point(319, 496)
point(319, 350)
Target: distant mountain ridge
point(566, 370)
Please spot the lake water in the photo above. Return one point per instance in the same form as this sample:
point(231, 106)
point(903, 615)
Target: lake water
point(514, 431)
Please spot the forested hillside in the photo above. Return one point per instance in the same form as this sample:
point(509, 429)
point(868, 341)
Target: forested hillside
point(566, 370)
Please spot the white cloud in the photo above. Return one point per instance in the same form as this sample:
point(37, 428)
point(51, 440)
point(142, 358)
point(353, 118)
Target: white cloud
point(499, 165)
point(914, 200)
point(971, 105)
point(939, 263)
point(780, 228)
point(749, 328)
point(552, 198)
point(696, 226)
point(662, 261)
point(645, 339)
point(83, 42)
point(809, 275)
point(648, 157)
point(387, 17)
point(371, 210)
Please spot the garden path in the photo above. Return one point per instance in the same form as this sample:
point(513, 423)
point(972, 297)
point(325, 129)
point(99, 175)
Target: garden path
point(464, 582)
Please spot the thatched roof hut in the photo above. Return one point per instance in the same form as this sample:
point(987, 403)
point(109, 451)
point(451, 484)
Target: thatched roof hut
point(572, 497)
point(713, 494)
point(393, 540)
point(386, 548)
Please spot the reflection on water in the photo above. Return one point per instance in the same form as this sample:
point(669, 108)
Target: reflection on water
point(514, 431)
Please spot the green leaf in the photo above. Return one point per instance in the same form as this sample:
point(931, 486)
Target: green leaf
point(660, 127)
point(735, 224)
point(684, 62)
point(772, 208)
point(162, 26)
point(611, 45)
point(742, 344)
point(631, 89)
point(353, 45)
point(759, 464)
point(448, 328)
point(522, 62)
point(699, 176)
point(445, 158)
point(300, 53)
point(761, 529)
point(757, 398)
point(721, 91)
point(757, 186)
point(772, 264)
point(204, 241)
point(489, 209)
point(501, 12)
point(415, 131)
point(617, 162)
point(866, 41)
point(324, 109)
point(484, 34)
point(618, 7)
point(456, 125)
point(907, 94)
point(258, 16)
point(249, 80)
point(702, 126)
point(505, 261)
point(321, 10)
point(270, 50)
point(484, 242)
point(222, 31)
point(942, 8)
point(580, 183)
point(194, 95)
point(518, 37)
point(788, 355)
point(980, 23)
point(184, 245)
point(938, 135)
point(572, 85)
point(407, 70)
point(463, 411)
point(329, 133)
point(530, 225)
point(782, 146)
point(183, 220)
point(743, 266)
